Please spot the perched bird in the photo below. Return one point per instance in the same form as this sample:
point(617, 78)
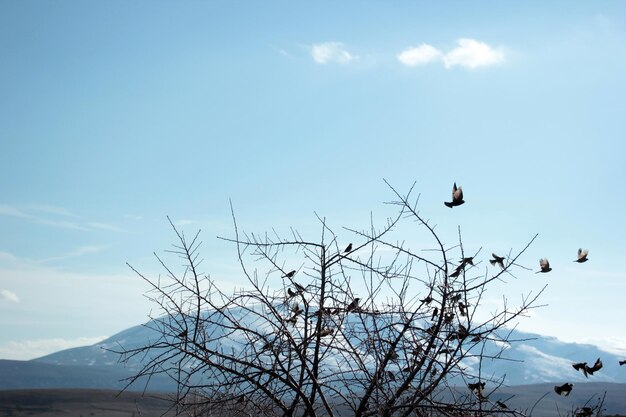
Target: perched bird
point(468, 260)
point(326, 331)
point(476, 338)
point(296, 310)
point(622, 363)
point(477, 388)
point(291, 292)
point(391, 376)
point(462, 332)
point(348, 248)
point(584, 412)
point(497, 260)
point(581, 366)
point(183, 334)
point(564, 389)
point(435, 312)
point(596, 367)
point(427, 300)
point(462, 309)
point(501, 405)
point(293, 320)
point(299, 287)
point(448, 318)
point(456, 297)
point(582, 255)
point(456, 272)
point(457, 197)
point(353, 305)
point(544, 265)
point(290, 274)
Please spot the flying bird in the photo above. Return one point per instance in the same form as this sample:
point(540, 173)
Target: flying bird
point(622, 363)
point(353, 305)
point(497, 260)
point(348, 248)
point(581, 366)
point(544, 265)
point(596, 367)
point(582, 255)
point(290, 274)
point(457, 197)
point(564, 389)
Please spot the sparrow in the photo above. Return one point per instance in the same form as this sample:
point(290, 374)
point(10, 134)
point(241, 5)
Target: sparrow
point(353, 305)
point(596, 367)
point(183, 334)
point(290, 274)
point(564, 389)
point(435, 312)
point(497, 260)
point(545, 265)
point(293, 320)
point(348, 248)
point(427, 300)
point(457, 197)
point(582, 366)
point(582, 255)
point(291, 292)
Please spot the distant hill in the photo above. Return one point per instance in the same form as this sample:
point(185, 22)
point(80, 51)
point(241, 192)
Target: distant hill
point(533, 359)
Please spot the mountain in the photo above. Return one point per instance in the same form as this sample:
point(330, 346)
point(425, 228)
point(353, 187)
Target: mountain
point(529, 359)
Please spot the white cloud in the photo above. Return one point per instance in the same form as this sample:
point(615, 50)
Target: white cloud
point(471, 54)
point(31, 349)
point(420, 55)
point(324, 53)
point(9, 296)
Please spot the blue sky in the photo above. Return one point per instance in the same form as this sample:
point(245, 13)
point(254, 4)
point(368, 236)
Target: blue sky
point(116, 114)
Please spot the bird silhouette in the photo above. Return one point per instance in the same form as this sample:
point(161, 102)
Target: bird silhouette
point(501, 405)
point(291, 293)
point(477, 388)
point(427, 300)
point(183, 334)
point(462, 332)
point(435, 312)
point(299, 287)
point(582, 255)
point(348, 248)
point(353, 305)
point(497, 260)
point(290, 274)
point(456, 272)
point(596, 367)
point(462, 309)
point(457, 197)
point(467, 260)
point(544, 265)
point(564, 389)
point(581, 366)
point(293, 320)
point(622, 362)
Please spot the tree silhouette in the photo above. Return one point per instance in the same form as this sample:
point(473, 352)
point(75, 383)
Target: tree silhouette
point(377, 329)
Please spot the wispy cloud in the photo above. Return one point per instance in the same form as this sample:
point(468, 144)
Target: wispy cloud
point(469, 54)
point(420, 55)
point(31, 349)
point(84, 250)
point(37, 214)
point(9, 296)
point(472, 54)
point(327, 52)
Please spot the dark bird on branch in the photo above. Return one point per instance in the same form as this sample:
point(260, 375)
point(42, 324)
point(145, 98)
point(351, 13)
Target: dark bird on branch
point(564, 389)
point(462, 308)
point(326, 331)
point(497, 260)
point(183, 334)
point(427, 300)
point(290, 274)
point(299, 287)
point(476, 338)
point(435, 312)
point(477, 388)
point(448, 318)
point(582, 255)
point(596, 367)
point(456, 272)
point(353, 305)
point(291, 293)
point(462, 332)
point(622, 362)
point(544, 265)
point(581, 366)
point(501, 405)
point(457, 197)
point(348, 248)
point(293, 320)
point(468, 260)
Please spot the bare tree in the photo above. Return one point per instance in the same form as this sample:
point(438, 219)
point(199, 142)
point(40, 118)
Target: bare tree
point(322, 328)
